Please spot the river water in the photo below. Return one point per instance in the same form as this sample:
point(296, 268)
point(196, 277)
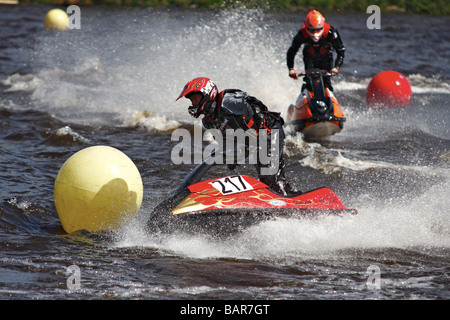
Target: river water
point(114, 82)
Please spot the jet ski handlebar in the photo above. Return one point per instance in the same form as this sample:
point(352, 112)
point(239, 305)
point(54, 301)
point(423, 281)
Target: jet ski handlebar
point(311, 72)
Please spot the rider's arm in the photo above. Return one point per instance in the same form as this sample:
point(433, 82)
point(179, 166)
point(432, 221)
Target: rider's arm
point(338, 46)
point(293, 49)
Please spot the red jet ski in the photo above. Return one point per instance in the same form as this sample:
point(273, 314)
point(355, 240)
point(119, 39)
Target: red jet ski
point(227, 205)
point(317, 113)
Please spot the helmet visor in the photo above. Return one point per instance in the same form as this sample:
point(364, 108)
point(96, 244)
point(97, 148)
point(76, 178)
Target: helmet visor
point(313, 31)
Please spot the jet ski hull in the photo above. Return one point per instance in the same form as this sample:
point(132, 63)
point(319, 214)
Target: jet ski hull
point(226, 222)
point(301, 118)
point(316, 113)
point(225, 206)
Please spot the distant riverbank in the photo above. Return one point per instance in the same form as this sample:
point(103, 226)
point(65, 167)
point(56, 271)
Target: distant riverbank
point(435, 7)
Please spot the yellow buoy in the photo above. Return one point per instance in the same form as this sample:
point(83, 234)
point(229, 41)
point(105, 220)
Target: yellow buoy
point(98, 188)
point(56, 19)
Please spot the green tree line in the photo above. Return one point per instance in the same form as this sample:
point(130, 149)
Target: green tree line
point(433, 7)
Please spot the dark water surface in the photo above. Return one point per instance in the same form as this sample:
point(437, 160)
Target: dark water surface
point(64, 91)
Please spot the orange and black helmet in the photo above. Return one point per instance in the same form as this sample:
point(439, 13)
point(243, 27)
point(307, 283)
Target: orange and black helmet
point(314, 24)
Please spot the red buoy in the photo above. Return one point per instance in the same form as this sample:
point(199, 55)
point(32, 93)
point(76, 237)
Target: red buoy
point(388, 89)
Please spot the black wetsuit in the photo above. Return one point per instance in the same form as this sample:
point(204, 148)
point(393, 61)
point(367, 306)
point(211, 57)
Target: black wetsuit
point(235, 109)
point(318, 54)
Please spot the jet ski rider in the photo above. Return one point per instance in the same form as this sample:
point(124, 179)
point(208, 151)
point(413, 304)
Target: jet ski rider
point(320, 40)
point(235, 109)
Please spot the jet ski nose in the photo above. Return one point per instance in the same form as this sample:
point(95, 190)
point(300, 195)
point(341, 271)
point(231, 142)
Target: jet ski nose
point(322, 106)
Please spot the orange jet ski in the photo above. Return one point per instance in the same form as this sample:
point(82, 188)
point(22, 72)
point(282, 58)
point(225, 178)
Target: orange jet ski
point(317, 113)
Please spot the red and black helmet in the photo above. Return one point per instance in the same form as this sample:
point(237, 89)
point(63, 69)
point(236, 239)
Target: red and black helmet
point(202, 85)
